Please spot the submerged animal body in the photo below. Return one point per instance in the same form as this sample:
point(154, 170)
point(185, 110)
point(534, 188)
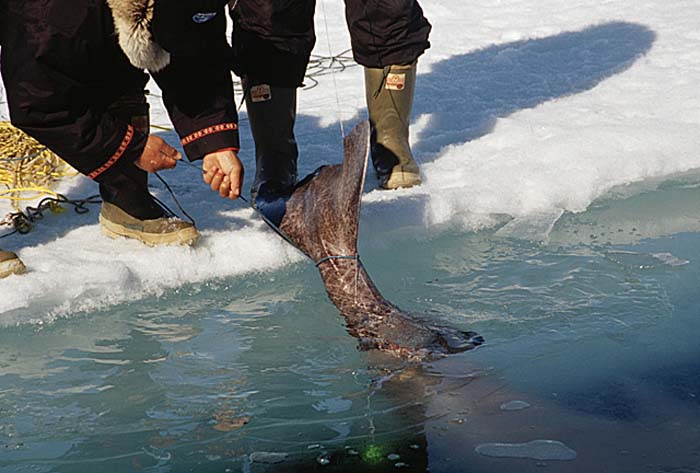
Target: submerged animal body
point(321, 217)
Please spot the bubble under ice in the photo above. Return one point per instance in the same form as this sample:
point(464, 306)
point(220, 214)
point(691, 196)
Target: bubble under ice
point(514, 406)
point(535, 449)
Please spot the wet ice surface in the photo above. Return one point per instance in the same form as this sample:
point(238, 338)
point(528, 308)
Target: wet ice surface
point(520, 120)
point(248, 371)
point(535, 449)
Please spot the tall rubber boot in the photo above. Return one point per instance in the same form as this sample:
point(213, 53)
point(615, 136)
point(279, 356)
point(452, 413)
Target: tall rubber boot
point(272, 113)
point(389, 101)
point(10, 264)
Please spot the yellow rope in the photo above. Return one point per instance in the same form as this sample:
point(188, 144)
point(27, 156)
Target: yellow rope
point(27, 168)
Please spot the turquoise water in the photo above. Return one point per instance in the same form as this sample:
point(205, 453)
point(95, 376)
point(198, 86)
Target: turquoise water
point(594, 332)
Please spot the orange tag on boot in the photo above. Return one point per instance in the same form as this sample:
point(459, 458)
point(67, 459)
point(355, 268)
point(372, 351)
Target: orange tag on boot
point(260, 93)
point(395, 81)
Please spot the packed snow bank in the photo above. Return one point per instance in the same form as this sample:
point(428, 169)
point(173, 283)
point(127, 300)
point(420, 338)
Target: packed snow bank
point(522, 112)
point(551, 125)
point(83, 271)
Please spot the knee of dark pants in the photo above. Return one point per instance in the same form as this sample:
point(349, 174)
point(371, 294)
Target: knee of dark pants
point(263, 61)
point(132, 108)
point(392, 8)
point(379, 12)
point(387, 32)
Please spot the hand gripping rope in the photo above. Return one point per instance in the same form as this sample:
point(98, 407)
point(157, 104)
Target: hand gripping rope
point(269, 223)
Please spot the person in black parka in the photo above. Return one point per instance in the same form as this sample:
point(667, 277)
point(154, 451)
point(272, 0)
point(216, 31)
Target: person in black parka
point(272, 42)
point(74, 75)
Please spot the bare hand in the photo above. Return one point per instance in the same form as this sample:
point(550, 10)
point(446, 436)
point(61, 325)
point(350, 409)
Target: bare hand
point(157, 155)
point(223, 171)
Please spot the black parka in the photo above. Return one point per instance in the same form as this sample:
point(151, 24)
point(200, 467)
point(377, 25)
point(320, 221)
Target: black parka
point(66, 62)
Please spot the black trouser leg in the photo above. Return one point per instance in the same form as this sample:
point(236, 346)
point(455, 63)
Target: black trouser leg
point(129, 191)
point(271, 76)
point(385, 33)
point(272, 41)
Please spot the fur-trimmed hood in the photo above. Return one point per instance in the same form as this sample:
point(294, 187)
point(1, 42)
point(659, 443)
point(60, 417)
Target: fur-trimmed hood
point(132, 19)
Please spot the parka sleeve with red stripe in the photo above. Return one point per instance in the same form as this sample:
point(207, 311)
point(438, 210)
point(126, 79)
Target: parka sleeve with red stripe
point(197, 85)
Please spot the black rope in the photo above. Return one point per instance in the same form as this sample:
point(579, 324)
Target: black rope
point(9, 234)
point(323, 65)
point(23, 221)
point(165, 208)
point(13, 159)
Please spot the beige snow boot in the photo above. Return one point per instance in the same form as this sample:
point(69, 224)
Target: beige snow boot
point(116, 223)
point(10, 264)
point(146, 220)
point(389, 101)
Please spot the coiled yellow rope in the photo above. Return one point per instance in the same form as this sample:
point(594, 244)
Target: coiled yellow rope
point(27, 168)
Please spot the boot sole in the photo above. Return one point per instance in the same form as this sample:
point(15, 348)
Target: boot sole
point(401, 179)
point(185, 236)
point(10, 267)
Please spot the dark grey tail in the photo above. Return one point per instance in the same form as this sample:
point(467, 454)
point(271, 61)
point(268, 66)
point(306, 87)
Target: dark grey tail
point(322, 214)
point(352, 180)
point(321, 217)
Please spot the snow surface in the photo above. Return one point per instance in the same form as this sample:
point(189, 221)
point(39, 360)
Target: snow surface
point(523, 111)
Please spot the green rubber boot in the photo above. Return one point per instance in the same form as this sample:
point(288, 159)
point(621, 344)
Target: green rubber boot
point(389, 102)
point(10, 264)
point(271, 114)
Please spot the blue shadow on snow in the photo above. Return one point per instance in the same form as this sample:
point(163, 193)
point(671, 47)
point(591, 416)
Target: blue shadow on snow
point(465, 94)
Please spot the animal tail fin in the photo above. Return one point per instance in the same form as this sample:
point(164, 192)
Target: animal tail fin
point(322, 215)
